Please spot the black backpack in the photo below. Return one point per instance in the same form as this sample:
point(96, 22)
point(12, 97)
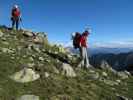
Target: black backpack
point(76, 40)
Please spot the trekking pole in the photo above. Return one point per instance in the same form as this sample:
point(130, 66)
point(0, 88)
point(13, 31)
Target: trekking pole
point(21, 25)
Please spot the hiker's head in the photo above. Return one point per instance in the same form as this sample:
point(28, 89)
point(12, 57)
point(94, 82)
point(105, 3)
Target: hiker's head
point(15, 6)
point(86, 33)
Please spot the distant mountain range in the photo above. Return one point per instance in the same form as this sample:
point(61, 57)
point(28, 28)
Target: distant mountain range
point(103, 50)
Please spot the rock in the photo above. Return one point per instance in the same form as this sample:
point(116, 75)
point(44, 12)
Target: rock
point(128, 73)
point(105, 65)
point(40, 38)
point(24, 56)
point(91, 71)
point(104, 74)
point(112, 70)
point(118, 81)
point(1, 33)
point(56, 52)
point(25, 75)
point(36, 48)
point(6, 50)
point(31, 65)
point(122, 97)
point(93, 76)
point(57, 60)
point(13, 58)
point(3, 39)
point(56, 71)
point(47, 74)
point(31, 58)
point(27, 33)
point(28, 97)
point(110, 82)
point(61, 97)
point(69, 56)
point(123, 75)
point(68, 70)
point(5, 43)
point(41, 58)
point(12, 33)
point(47, 60)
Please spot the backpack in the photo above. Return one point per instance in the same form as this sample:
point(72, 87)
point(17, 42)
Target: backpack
point(15, 13)
point(76, 40)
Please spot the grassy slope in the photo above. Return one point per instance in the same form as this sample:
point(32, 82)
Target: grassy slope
point(56, 86)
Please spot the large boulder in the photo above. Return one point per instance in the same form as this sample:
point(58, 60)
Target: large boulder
point(25, 75)
point(68, 70)
point(27, 33)
point(28, 97)
point(123, 74)
point(40, 38)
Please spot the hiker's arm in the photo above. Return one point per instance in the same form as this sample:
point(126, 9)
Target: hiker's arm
point(81, 40)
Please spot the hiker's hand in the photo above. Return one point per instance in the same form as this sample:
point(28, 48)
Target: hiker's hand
point(80, 45)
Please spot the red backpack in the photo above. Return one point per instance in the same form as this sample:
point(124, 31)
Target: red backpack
point(76, 40)
point(15, 12)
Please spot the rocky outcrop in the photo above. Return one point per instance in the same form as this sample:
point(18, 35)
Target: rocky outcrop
point(40, 38)
point(25, 75)
point(27, 33)
point(68, 70)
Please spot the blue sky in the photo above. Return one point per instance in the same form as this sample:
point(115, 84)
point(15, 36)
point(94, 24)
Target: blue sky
point(111, 20)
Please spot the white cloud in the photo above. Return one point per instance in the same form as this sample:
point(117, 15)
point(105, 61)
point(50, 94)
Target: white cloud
point(113, 44)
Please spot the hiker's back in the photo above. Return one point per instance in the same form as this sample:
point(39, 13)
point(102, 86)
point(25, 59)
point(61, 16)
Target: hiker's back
point(15, 11)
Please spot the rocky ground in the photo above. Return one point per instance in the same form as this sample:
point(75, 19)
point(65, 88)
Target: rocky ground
point(33, 69)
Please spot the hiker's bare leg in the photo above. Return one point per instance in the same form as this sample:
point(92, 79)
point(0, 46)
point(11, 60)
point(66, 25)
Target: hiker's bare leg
point(82, 62)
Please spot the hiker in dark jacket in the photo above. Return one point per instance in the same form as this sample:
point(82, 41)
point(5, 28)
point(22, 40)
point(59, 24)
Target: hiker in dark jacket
point(83, 51)
point(15, 17)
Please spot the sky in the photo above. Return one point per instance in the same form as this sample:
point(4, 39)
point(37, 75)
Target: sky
point(111, 21)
